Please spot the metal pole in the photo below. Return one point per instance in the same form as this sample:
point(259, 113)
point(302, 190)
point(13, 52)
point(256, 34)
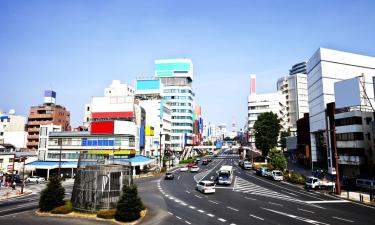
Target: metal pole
point(23, 175)
point(14, 159)
point(59, 171)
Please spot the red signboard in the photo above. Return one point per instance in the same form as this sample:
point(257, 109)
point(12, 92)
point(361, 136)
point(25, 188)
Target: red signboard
point(96, 115)
point(105, 127)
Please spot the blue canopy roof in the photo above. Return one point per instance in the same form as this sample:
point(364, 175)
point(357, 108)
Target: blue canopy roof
point(51, 164)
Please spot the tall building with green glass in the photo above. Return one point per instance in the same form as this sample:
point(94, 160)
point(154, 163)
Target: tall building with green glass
point(176, 75)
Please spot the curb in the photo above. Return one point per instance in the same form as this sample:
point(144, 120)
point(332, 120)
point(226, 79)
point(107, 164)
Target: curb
point(48, 214)
point(351, 200)
point(17, 196)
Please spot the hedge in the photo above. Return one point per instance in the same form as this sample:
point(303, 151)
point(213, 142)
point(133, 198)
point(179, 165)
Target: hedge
point(106, 214)
point(64, 209)
point(294, 177)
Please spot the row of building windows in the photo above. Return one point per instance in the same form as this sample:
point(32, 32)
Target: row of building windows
point(259, 107)
point(63, 156)
point(181, 131)
point(178, 97)
point(182, 124)
point(123, 141)
point(180, 104)
point(177, 91)
point(182, 117)
point(348, 121)
point(182, 110)
point(354, 136)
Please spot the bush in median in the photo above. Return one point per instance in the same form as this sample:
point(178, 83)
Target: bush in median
point(106, 214)
point(130, 205)
point(64, 209)
point(295, 177)
point(52, 196)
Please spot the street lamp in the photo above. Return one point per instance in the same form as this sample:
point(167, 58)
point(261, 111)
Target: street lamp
point(160, 135)
point(60, 144)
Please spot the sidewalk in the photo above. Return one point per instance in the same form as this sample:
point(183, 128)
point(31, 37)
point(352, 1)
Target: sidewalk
point(356, 196)
point(7, 192)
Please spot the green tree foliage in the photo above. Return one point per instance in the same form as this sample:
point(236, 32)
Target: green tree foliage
point(277, 160)
point(130, 205)
point(52, 196)
point(283, 136)
point(266, 132)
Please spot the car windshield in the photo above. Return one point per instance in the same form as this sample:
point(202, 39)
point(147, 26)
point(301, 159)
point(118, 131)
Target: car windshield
point(210, 184)
point(309, 180)
point(278, 173)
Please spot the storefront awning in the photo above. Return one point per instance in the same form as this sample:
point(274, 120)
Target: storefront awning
point(138, 160)
point(50, 165)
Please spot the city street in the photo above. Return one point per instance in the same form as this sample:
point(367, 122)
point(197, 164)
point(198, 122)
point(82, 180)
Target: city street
point(253, 199)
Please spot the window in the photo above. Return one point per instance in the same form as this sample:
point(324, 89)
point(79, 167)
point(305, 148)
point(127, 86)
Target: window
point(1, 160)
point(354, 136)
point(10, 160)
point(348, 121)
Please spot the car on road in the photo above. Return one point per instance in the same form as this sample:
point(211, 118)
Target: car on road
point(198, 159)
point(314, 183)
point(169, 176)
point(194, 169)
point(277, 175)
point(246, 165)
point(35, 179)
point(204, 162)
point(263, 171)
point(206, 186)
point(209, 159)
point(184, 169)
point(190, 165)
point(196, 162)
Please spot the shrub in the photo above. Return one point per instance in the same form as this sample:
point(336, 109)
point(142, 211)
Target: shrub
point(295, 178)
point(277, 160)
point(130, 205)
point(256, 166)
point(64, 209)
point(106, 214)
point(52, 196)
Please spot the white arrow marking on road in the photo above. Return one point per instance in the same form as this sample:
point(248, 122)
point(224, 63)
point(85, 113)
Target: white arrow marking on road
point(296, 217)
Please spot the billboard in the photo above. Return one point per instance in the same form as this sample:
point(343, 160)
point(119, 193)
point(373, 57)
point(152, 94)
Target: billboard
point(347, 93)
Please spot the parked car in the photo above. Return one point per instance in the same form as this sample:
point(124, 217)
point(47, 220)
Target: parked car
point(194, 169)
point(196, 162)
point(263, 171)
point(35, 179)
point(184, 169)
point(169, 176)
point(206, 186)
point(314, 183)
point(277, 175)
point(190, 165)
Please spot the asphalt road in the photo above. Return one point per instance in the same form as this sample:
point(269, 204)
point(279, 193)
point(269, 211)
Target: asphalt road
point(253, 200)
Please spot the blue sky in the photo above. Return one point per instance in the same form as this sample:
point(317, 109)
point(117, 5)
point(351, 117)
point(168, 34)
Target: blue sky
point(77, 47)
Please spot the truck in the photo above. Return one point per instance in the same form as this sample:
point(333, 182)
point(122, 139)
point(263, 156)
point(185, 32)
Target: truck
point(316, 183)
point(225, 175)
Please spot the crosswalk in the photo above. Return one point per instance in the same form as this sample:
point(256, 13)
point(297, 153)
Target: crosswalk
point(244, 186)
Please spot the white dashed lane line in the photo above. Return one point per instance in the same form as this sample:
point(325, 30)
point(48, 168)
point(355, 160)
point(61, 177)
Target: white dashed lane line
point(232, 208)
point(221, 219)
point(256, 217)
point(187, 222)
point(210, 215)
point(350, 221)
point(272, 203)
point(213, 202)
point(304, 210)
point(197, 196)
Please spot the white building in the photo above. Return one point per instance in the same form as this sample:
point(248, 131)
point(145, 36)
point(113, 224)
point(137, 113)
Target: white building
point(12, 129)
point(176, 75)
point(294, 89)
point(44, 131)
point(325, 68)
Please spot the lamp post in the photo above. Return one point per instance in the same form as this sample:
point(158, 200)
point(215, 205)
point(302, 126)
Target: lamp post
point(160, 135)
point(23, 175)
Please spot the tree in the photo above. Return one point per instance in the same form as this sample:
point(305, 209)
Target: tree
point(283, 136)
point(52, 196)
point(130, 205)
point(277, 159)
point(266, 132)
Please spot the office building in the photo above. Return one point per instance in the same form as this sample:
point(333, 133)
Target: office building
point(48, 113)
point(12, 129)
point(324, 69)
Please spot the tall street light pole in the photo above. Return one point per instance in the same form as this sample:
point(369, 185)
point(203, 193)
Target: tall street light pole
point(160, 135)
point(59, 171)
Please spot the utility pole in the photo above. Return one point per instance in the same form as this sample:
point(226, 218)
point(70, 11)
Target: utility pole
point(160, 135)
point(14, 159)
point(23, 175)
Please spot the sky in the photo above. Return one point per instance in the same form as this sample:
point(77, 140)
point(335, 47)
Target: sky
point(78, 47)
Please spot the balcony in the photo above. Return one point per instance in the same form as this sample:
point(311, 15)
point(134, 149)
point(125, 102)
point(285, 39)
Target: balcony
point(32, 137)
point(32, 143)
point(39, 122)
point(31, 130)
point(351, 160)
point(40, 116)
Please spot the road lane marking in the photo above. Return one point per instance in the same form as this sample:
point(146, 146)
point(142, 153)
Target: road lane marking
point(296, 217)
point(201, 211)
point(179, 218)
point(232, 208)
point(210, 215)
point(304, 210)
point(197, 196)
point(213, 202)
point(170, 213)
point(272, 203)
point(192, 207)
point(221, 219)
point(178, 177)
point(250, 198)
point(187, 222)
point(259, 218)
point(187, 192)
point(327, 201)
point(351, 221)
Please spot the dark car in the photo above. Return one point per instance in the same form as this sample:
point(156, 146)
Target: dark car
point(204, 162)
point(169, 176)
point(195, 162)
point(209, 159)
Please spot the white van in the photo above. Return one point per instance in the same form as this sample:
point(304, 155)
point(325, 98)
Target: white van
point(206, 186)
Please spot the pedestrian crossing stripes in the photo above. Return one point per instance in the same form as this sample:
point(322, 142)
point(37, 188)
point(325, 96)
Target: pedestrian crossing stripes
point(244, 186)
